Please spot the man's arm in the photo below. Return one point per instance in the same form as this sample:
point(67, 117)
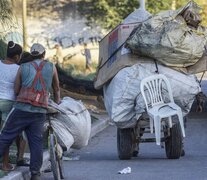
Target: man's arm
point(17, 84)
point(55, 86)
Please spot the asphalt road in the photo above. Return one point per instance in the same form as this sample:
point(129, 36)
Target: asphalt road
point(99, 161)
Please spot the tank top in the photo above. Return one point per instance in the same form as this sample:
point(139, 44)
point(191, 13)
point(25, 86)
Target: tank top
point(28, 73)
point(7, 78)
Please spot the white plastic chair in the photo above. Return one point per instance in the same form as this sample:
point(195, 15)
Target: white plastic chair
point(152, 90)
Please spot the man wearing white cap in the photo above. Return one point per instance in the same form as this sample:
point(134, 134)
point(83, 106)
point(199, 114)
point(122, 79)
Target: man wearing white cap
point(33, 81)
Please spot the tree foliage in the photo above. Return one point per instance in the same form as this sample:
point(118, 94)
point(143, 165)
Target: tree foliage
point(204, 11)
point(109, 13)
point(6, 14)
point(156, 6)
point(6, 20)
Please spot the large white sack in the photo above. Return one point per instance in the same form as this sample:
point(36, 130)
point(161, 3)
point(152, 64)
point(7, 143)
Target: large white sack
point(124, 102)
point(65, 138)
point(75, 119)
point(79, 121)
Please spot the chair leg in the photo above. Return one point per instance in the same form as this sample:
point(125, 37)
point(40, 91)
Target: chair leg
point(151, 125)
point(157, 124)
point(180, 117)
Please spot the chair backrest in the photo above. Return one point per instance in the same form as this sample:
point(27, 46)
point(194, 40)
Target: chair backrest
point(152, 90)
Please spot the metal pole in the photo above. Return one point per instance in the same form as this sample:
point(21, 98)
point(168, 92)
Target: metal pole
point(24, 20)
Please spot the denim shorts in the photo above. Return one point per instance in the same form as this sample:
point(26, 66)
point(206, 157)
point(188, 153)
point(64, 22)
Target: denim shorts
point(5, 108)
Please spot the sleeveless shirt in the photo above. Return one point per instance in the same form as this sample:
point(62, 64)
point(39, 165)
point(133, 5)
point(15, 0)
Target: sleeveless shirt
point(7, 78)
point(28, 73)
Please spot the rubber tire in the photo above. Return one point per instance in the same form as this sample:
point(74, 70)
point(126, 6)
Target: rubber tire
point(173, 143)
point(124, 143)
point(54, 159)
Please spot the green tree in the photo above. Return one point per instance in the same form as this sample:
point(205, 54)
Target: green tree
point(6, 13)
point(156, 6)
point(203, 4)
point(109, 13)
point(6, 21)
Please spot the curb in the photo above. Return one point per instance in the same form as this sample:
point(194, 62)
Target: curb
point(23, 173)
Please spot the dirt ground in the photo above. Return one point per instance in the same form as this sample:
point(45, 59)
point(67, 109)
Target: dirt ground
point(93, 103)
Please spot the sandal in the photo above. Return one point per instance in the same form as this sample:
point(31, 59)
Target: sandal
point(9, 167)
point(22, 162)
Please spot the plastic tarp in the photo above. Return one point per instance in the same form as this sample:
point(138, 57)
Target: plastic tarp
point(73, 124)
point(139, 15)
point(168, 38)
point(123, 99)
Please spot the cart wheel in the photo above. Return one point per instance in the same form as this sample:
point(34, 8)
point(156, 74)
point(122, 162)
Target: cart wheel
point(173, 142)
point(124, 143)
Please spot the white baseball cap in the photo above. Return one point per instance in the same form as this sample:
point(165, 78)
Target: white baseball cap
point(37, 49)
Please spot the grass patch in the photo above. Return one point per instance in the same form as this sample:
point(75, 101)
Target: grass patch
point(79, 72)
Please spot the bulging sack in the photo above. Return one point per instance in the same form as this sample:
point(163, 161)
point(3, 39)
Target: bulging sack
point(171, 37)
point(73, 125)
point(124, 102)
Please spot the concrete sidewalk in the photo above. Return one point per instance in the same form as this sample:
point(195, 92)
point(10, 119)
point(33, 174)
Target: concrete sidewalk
point(23, 173)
